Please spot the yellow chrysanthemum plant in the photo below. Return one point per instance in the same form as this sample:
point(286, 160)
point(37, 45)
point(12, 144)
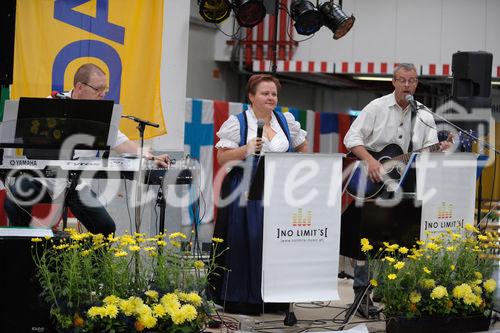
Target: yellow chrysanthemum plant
point(172, 312)
point(448, 274)
point(130, 283)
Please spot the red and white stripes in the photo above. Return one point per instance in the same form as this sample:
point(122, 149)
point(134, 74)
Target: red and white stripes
point(296, 66)
point(436, 70)
point(356, 67)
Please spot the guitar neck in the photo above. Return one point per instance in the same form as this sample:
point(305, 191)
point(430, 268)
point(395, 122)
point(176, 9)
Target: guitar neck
point(405, 158)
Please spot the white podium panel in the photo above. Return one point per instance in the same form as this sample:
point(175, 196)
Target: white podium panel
point(446, 184)
point(302, 206)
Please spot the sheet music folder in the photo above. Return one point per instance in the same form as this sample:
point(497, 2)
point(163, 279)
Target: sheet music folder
point(42, 125)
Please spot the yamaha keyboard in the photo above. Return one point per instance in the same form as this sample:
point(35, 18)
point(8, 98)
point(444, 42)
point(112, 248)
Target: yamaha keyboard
point(180, 172)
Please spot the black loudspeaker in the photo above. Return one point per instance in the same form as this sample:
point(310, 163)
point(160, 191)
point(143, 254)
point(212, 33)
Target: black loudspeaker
point(21, 308)
point(7, 28)
point(472, 78)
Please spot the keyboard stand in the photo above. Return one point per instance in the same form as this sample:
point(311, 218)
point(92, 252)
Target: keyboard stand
point(73, 182)
point(161, 201)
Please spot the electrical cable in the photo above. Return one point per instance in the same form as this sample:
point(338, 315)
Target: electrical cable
point(128, 206)
point(233, 36)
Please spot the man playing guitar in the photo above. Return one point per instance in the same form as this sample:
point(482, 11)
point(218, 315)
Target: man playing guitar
point(388, 120)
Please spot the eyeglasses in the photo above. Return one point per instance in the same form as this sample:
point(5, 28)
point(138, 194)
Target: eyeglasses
point(410, 81)
point(103, 90)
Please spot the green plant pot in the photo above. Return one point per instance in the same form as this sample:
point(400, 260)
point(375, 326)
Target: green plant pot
point(432, 324)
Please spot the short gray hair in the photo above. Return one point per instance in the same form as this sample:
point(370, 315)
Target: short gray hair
point(84, 72)
point(405, 66)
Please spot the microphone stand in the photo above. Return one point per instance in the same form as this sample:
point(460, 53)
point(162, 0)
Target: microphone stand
point(473, 137)
point(141, 127)
point(458, 128)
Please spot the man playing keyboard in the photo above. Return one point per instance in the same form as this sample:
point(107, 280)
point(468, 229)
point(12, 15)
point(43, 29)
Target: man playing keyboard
point(89, 83)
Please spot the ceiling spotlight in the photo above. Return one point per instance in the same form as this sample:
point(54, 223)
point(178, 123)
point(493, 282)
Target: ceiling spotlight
point(307, 17)
point(336, 20)
point(214, 11)
point(249, 13)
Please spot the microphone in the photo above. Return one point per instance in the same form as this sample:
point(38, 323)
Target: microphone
point(260, 129)
point(141, 121)
point(57, 95)
point(409, 98)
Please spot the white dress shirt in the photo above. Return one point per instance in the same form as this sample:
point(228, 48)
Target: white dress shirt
point(229, 133)
point(383, 122)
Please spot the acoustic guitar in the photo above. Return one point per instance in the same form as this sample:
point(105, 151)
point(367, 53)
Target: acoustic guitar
point(393, 161)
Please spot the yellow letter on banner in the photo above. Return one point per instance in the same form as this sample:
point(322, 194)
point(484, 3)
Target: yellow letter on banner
point(123, 37)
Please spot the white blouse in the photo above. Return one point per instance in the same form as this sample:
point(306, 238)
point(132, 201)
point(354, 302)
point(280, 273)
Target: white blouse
point(229, 133)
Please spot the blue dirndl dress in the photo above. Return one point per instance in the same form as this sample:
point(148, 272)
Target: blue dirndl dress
point(240, 225)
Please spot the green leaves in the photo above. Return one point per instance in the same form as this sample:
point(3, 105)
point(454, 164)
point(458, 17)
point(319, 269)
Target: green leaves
point(425, 283)
point(78, 272)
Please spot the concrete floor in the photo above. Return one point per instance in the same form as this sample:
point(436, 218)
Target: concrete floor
point(312, 317)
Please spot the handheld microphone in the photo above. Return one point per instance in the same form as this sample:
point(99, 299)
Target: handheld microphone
point(260, 129)
point(57, 95)
point(409, 98)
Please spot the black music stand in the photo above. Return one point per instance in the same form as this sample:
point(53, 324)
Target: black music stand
point(41, 127)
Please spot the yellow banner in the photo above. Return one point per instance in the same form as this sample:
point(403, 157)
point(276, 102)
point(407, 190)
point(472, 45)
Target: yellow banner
point(123, 37)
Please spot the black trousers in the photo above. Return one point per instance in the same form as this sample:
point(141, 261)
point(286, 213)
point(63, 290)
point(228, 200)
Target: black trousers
point(83, 203)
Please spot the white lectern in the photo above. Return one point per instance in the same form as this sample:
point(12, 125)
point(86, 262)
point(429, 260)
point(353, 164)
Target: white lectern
point(302, 206)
